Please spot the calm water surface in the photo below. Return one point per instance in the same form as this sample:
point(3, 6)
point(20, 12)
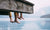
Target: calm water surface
point(40, 24)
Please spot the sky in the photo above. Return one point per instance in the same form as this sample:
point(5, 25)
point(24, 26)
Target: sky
point(38, 5)
point(41, 7)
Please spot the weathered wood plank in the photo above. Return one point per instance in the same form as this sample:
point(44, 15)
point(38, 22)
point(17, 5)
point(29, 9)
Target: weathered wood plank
point(16, 6)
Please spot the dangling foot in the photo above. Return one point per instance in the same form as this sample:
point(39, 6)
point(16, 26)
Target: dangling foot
point(17, 22)
point(19, 18)
point(11, 21)
point(22, 18)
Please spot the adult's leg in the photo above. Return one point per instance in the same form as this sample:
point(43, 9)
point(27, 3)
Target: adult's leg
point(16, 16)
point(10, 15)
point(21, 16)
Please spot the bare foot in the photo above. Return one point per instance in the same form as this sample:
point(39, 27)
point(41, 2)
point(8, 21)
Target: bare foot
point(22, 18)
point(11, 21)
point(19, 18)
point(17, 22)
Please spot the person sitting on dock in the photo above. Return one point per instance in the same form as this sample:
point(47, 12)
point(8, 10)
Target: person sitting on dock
point(16, 16)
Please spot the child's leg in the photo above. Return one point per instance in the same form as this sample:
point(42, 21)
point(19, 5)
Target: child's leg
point(18, 16)
point(15, 13)
point(10, 17)
point(21, 16)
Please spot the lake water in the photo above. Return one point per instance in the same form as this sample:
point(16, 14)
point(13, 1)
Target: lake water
point(40, 24)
